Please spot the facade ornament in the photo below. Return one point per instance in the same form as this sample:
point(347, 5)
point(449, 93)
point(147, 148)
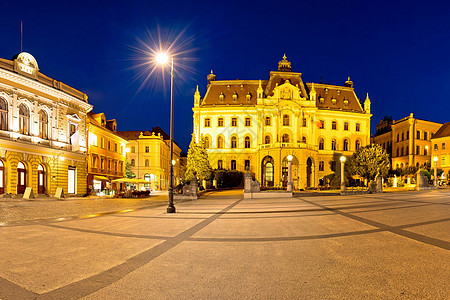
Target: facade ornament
point(259, 91)
point(367, 104)
point(284, 65)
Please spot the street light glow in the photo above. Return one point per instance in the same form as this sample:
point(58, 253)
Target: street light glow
point(343, 158)
point(289, 157)
point(435, 159)
point(162, 58)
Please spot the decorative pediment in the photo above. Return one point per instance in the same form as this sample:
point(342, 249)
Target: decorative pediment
point(74, 118)
point(287, 91)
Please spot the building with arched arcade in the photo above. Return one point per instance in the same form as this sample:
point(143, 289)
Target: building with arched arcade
point(42, 131)
point(256, 124)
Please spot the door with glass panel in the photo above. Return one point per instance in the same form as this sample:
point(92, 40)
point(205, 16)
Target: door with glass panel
point(21, 178)
point(41, 180)
point(2, 178)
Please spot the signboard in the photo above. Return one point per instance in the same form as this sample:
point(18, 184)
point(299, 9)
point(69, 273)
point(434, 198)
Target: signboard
point(28, 193)
point(59, 193)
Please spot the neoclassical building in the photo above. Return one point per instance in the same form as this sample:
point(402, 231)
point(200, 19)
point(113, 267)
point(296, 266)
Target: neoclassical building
point(42, 131)
point(256, 124)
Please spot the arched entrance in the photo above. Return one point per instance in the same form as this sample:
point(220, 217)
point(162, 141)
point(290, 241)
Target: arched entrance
point(21, 178)
point(2, 178)
point(267, 171)
point(308, 172)
point(285, 170)
point(41, 180)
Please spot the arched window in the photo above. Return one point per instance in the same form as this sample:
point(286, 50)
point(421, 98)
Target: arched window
point(304, 139)
point(357, 145)
point(147, 177)
point(233, 142)
point(146, 163)
point(285, 120)
point(285, 138)
point(321, 144)
point(267, 140)
point(247, 142)
point(346, 145)
point(3, 114)
point(43, 124)
point(24, 119)
point(220, 142)
point(346, 126)
point(358, 127)
point(132, 163)
point(207, 142)
point(333, 144)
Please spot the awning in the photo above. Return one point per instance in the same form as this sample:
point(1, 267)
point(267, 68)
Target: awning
point(130, 180)
point(101, 178)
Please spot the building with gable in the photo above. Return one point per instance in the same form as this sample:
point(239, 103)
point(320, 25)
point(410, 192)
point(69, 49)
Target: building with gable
point(256, 124)
point(42, 131)
point(441, 149)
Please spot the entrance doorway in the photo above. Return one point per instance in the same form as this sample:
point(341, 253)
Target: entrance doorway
point(41, 180)
point(21, 178)
point(267, 171)
point(308, 172)
point(2, 178)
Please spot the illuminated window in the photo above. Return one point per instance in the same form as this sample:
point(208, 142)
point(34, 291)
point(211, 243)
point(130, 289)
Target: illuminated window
point(285, 120)
point(24, 119)
point(333, 144)
point(267, 140)
point(443, 146)
point(207, 142)
point(248, 122)
point(220, 122)
point(304, 139)
point(418, 150)
point(346, 145)
point(220, 164)
point(322, 124)
point(435, 147)
point(220, 142)
point(43, 125)
point(285, 138)
point(247, 142)
point(233, 142)
point(268, 121)
point(207, 122)
point(132, 162)
point(321, 166)
point(333, 125)
point(358, 127)
point(321, 144)
point(346, 126)
point(115, 147)
point(3, 114)
point(133, 149)
point(233, 122)
point(233, 165)
point(147, 149)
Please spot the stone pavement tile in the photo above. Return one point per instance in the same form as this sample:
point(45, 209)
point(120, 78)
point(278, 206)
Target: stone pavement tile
point(376, 266)
point(433, 230)
point(41, 258)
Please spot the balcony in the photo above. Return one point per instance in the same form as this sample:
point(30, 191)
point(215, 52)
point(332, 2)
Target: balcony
point(289, 145)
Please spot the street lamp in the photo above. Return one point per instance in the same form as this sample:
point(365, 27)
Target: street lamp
point(435, 170)
point(289, 184)
point(163, 58)
point(343, 158)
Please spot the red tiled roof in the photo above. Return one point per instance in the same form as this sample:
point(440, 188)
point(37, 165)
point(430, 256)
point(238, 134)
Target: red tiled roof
point(444, 131)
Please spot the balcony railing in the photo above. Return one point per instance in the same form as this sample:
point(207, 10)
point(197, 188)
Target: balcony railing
point(289, 145)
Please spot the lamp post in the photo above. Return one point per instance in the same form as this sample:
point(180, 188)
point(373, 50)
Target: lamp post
point(343, 158)
point(162, 58)
point(435, 170)
point(289, 184)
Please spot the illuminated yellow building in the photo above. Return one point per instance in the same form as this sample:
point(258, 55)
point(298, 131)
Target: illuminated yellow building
point(106, 151)
point(256, 124)
point(440, 143)
point(149, 156)
point(42, 131)
point(408, 140)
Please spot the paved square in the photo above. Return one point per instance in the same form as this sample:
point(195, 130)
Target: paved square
point(386, 246)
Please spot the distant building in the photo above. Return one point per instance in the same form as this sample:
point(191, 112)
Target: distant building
point(106, 151)
point(257, 124)
point(42, 131)
point(149, 156)
point(441, 149)
point(407, 141)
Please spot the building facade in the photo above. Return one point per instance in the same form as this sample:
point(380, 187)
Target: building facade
point(42, 131)
point(407, 141)
point(441, 149)
point(256, 124)
point(149, 156)
point(106, 150)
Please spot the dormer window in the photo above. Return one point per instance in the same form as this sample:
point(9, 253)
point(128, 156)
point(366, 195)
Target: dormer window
point(242, 87)
point(321, 100)
point(333, 101)
point(338, 92)
point(228, 87)
point(221, 96)
point(235, 96)
point(248, 97)
point(326, 91)
point(345, 103)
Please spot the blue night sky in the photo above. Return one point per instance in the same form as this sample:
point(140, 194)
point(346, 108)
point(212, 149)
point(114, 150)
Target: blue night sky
point(397, 53)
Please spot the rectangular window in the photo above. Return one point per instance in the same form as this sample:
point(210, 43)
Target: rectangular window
point(322, 124)
point(268, 121)
point(102, 140)
point(109, 145)
point(248, 122)
point(147, 149)
point(121, 149)
point(207, 122)
point(233, 165)
point(334, 125)
point(233, 122)
point(72, 129)
point(443, 146)
point(435, 147)
point(220, 164)
point(247, 165)
point(418, 135)
point(321, 166)
point(71, 180)
point(358, 127)
point(425, 135)
point(304, 122)
point(407, 135)
point(220, 122)
point(115, 147)
point(133, 149)
point(418, 150)
point(346, 126)
point(92, 139)
point(443, 160)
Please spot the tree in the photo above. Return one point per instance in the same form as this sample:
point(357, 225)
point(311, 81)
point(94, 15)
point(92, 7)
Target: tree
point(197, 160)
point(128, 172)
point(369, 162)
